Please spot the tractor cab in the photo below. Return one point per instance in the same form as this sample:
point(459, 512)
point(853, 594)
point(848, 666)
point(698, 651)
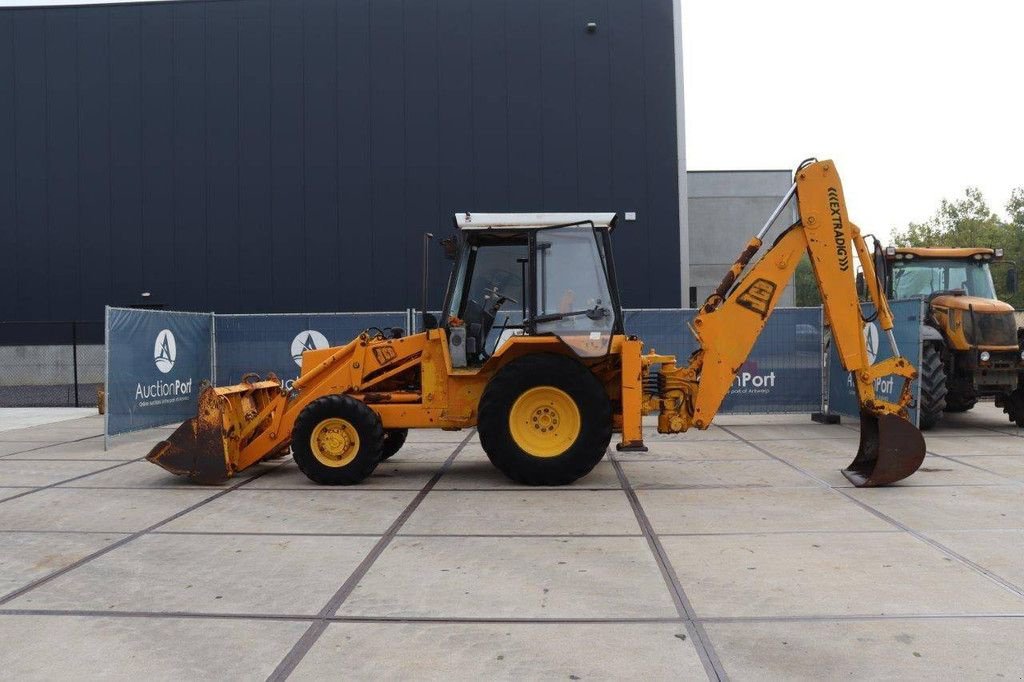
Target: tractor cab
point(531, 274)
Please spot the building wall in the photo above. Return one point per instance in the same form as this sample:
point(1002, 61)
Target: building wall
point(249, 155)
point(726, 209)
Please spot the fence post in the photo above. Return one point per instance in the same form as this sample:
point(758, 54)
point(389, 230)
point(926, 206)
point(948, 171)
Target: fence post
point(74, 356)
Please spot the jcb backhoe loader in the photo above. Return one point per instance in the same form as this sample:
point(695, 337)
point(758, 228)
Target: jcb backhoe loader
point(548, 386)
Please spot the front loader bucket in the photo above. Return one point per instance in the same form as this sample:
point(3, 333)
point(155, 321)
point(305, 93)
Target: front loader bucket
point(891, 448)
point(206, 448)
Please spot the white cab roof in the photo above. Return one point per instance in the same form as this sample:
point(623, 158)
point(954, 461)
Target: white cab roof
point(529, 221)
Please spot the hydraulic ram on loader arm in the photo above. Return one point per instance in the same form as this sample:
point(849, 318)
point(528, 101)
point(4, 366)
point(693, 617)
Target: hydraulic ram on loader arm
point(732, 318)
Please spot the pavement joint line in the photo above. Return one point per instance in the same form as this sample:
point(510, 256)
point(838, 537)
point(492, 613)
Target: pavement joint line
point(702, 643)
point(96, 613)
point(975, 466)
point(45, 445)
point(69, 480)
point(921, 537)
point(715, 620)
point(309, 638)
point(124, 540)
point(400, 534)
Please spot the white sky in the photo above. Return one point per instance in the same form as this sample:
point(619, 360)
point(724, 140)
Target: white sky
point(913, 100)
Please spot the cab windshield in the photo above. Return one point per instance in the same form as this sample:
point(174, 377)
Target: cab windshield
point(925, 276)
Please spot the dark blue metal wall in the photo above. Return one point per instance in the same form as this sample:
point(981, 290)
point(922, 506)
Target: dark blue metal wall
point(249, 155)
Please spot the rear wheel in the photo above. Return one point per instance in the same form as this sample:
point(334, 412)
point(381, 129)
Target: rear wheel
point(1013, 406)
point(545, 420)
point(337, 440)
point(933, 387)
point(394, 439)
point(957, 402)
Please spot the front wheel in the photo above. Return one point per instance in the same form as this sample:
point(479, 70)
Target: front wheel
point(337, 440)
point(933, 387)
point(394, 439)
point(545, 420)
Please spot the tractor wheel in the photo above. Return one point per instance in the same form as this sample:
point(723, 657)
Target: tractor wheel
point(545, 420)
point(933, 387)
point(337, 440)
point(394, 439)
point(958, 402)
point(1013, 406)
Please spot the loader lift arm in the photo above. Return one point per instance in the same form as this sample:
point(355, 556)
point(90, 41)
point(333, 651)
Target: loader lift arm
point(733, 317)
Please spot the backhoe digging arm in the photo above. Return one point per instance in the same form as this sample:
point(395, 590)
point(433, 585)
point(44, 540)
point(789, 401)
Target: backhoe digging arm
point(731, 320)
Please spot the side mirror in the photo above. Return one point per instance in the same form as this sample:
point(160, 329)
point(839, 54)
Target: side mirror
point(1011, 280)
point(862, 290)
point(451, 247)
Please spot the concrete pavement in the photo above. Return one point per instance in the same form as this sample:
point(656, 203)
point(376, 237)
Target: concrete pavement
point(739, 552)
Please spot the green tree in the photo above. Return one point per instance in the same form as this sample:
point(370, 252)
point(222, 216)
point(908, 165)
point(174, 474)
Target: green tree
point(968, 222)
point(807, 293)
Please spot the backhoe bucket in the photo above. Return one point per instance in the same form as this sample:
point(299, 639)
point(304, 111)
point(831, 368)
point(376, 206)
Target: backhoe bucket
point(891, 448)
point(206, 448)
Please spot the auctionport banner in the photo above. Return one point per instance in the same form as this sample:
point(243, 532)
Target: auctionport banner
point(275, 343)
point(782, 374)
point(156, 363)
point(907, 317)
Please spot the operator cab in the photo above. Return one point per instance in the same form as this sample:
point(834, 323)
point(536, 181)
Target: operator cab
point(531, 274)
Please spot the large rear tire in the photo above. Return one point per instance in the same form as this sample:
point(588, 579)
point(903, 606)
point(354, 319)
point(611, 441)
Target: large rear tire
point(1013, 406)
point(337, 440)
point(957, 402)
point(545, 420)
point(933, 387)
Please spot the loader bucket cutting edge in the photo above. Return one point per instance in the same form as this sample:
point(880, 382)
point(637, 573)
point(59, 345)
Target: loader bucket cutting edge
point(197, 448)
point(891, 448)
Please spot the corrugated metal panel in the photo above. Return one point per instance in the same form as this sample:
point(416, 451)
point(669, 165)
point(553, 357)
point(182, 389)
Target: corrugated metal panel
point(248, 155)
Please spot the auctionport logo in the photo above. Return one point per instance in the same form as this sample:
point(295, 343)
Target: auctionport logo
point(310, 339)
point(165, 351)
point(871, 341)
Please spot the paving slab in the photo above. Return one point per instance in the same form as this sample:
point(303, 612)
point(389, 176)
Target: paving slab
point(730, 510)
point(472, 577)
point(651, 435)
point(200, 573)
point(40, 473)
point(148, 475)
point(975, 447)
point(507, 651)
point(693, 450)
point(890, 649)
point(389, 475)
point(89, 448)
point(1009, 467)
point(480, 474)
point(25, 557)
point(527, 512)
point(424, 452)
point(172, 649)
point(829, 574)
point(843, 448)
point(108, 511)
point(19, 418)
point(949, 508)
point(801, 429)
point(8, 493)
point(8, 448)
point(1000, 551)
point(934, 471)
point(452, 438)
point(699, 474)
point(327, 510)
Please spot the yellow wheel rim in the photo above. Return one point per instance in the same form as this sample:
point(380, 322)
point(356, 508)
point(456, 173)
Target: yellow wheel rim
point(544, 421)
point(334, 442)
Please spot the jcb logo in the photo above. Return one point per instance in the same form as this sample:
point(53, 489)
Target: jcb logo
point(758, 297)
point(384, 354)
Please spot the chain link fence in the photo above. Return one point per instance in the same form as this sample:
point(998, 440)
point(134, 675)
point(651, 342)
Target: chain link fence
point(51, 364)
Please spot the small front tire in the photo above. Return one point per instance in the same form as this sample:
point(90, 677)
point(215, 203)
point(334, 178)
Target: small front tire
point(394, 439)
point(337, 440)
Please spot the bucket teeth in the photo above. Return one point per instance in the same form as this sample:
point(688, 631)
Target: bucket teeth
point(891, 448)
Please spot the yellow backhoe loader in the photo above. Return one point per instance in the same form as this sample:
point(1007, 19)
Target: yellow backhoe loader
point(550, 384)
